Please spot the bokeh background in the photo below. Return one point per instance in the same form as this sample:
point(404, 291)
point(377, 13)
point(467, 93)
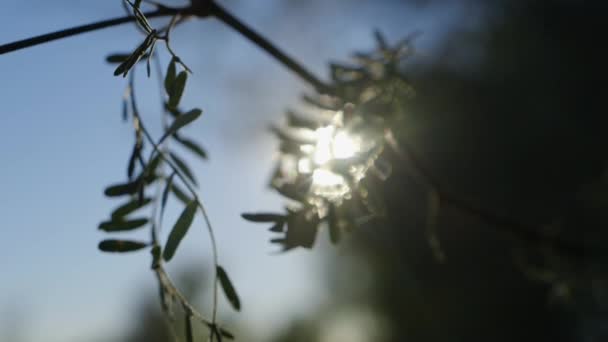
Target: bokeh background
point(509, 113)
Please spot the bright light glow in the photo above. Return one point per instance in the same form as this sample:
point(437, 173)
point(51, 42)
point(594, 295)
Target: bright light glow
point(304, 165)
point(344, 146)
point(326, 178)
point(333, 144)
point(323, 148)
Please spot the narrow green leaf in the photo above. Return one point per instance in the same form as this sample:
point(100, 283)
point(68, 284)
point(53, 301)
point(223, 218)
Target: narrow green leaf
point(170, 77)
point(135, 154)
point(179, 230)
point(183, 167)
point(121, 189)
point(119, 225)
point(229, 290)
point(192, 146)
point(165, 195)
point(139, 52)
point(180, 194)
point(180, 122)
point(278, 227)
point(117, 58)
point(263, 217)
point(128, 208)
point(121, 246)
point(177, 89)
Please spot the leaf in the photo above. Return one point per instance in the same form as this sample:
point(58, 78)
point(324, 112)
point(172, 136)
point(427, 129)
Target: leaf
point(192, 146)
point(179, 230)
point(133, 159)
point(279, 227)
point(119, 225)
point(177, 89)
point(180, 194)
point(165, 195)
point(118, 58)
point(121, 189)
point(170, 76)
point(183, 167)
point(121, 246)
point(128, 208)
point(139, 52)
point(263, 217)
point(229, 290)
point(180, 122)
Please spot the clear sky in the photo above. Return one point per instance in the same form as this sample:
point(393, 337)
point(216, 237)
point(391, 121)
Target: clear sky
point(62, 141)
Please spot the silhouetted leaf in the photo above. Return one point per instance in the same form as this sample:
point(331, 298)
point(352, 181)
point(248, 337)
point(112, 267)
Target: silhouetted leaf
point(180, 194)
point(120, 58)
point(183, 167)
point(165, 195)
point(119, 225)
point(181, 121)
point(128, 208)
point(170, 77)
point(229, 290)
point(150, 171)
point(135, 154)
point(263, 217)
point(121, 246)
point(139, 52)
point(192, 146)
point(121, 189)
point(179, 230)
point(278, 227)
point(177, 89)
point(117, 58)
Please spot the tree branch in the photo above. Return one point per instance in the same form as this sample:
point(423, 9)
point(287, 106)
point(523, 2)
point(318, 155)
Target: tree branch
point(526, 231)
point(45, 38)
point(228, 19)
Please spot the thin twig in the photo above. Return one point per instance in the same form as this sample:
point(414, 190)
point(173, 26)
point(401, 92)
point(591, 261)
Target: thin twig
point(193, 192)
point(29, 42)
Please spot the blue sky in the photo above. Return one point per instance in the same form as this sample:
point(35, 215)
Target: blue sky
point(62, 141)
